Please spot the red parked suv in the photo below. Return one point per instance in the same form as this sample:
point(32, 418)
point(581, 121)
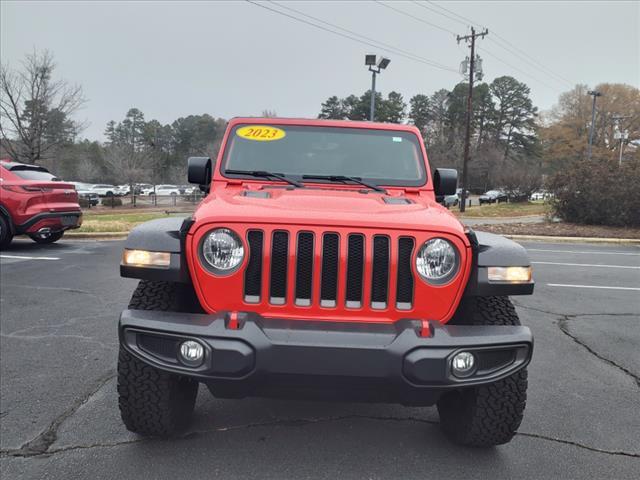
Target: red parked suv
point(34, 202)
point(321, 265)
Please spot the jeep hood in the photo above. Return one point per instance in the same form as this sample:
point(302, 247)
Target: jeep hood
point(327, 206)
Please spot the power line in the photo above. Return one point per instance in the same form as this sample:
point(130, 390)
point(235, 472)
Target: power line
point(519, 70)
point(464, 20)
point(391, 47)
point(421, 20)
point(528, 58)
point(442, 14)
point(531, 60)
point(393, 50)
point(473, 23)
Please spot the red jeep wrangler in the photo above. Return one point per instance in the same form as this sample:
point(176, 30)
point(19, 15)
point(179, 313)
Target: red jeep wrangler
point(34, 202)
point(321, 265)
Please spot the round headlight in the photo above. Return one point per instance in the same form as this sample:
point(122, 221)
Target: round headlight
point(222, 250)
point(437, 261)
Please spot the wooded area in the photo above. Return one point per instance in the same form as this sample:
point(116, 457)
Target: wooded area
point(514, 146)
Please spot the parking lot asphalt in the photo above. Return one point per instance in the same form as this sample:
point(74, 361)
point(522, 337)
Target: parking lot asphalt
point(59, 307)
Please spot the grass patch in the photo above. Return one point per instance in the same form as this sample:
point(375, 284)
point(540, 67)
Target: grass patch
point(504, 210)
point(119, 222)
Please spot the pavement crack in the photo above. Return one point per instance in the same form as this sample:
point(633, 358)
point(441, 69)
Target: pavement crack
point(563, 326)
point(573, 315)
point(579, 445)
point(300, 422)
point(42, 443)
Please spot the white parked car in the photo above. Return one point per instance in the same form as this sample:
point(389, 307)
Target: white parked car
point(103, 189)
point(166, 190)
point(144, 189)
point(122, 190)
point(540, 195)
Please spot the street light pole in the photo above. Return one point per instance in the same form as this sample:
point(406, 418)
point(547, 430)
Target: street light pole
point(375, 67)
point(593, 119)
point(372, 109)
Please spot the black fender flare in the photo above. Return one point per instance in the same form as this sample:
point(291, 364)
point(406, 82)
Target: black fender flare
point(161, 235)
point(490, 250)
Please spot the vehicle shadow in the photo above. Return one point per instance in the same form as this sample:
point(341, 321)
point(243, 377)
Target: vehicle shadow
point(25, 245)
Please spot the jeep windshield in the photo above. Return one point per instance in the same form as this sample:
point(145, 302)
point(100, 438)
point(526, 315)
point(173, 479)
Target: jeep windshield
point(380, 157)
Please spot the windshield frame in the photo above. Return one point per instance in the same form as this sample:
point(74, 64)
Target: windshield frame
point(422, 162)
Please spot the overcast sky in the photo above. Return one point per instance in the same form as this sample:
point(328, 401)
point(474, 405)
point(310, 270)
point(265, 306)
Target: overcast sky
point(172, 59)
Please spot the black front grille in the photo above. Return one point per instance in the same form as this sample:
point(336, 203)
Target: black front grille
point(317, 257)
point(380, 273)
point(304, 268)
point(279, 254)
point(404, 285)
point(330, 257)
point(253, 273)
point(355, 270)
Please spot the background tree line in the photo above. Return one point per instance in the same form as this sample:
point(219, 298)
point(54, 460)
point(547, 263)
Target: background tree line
point(513, 145)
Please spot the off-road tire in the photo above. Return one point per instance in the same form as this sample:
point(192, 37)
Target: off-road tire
point(5, 232)
point(153, 402)
point(487, 415)
point(45, 240)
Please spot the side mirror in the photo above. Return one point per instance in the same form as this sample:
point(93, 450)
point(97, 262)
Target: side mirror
point(199, 171)
point(445, 181)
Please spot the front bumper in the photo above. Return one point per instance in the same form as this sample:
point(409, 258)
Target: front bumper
point(246, 354)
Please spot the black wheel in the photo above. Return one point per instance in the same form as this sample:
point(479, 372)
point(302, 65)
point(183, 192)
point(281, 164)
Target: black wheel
point(153, 402)
point(46, 238)
point(5, 232)
point(487, 415)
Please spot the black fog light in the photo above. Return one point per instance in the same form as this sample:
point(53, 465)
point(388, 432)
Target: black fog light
point(191, 353)
point(463, 364)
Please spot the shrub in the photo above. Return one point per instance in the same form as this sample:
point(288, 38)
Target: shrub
point(597, 192)
point(112, 202)
point(84, 202)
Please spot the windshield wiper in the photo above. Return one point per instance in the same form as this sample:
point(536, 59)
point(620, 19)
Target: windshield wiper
point(265, 174)
point(344, 178)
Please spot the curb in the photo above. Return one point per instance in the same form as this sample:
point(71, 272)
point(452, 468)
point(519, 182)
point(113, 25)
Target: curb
point(96, 235)
point(535, 215)
point(547, 238)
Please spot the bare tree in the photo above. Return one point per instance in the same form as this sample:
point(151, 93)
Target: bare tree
point(128, 166)
point(36, 110)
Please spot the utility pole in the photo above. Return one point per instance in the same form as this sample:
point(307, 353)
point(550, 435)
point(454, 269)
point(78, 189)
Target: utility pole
point(467, 137)
point(595, 94)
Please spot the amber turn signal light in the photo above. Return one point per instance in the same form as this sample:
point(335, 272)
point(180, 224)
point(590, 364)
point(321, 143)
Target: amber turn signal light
point(509, 274)
point(144, 258)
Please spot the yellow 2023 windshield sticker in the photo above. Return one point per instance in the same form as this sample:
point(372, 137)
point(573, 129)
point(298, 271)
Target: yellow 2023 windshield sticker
point(261, 133)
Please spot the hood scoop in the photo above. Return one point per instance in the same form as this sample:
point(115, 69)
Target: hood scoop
point(396, 201)
point(256, 194)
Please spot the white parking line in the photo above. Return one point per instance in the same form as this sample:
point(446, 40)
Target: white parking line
point(23, 257)
point(593, 252)
point(585, 265)
point(592, 286)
